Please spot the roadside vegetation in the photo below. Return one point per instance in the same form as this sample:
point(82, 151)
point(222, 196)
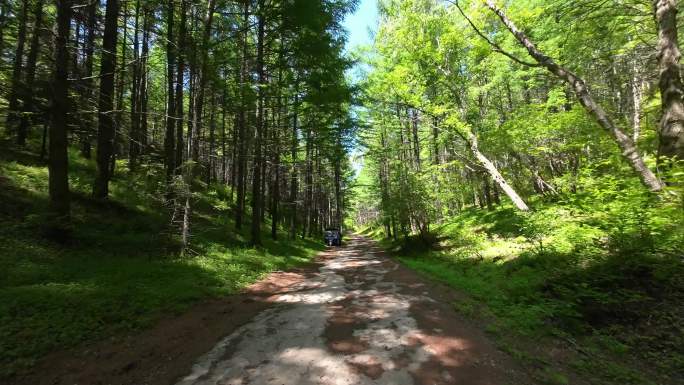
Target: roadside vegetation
point(575, 289)
point(523, 153)
point(528, 153)
point(123, 268)
point(157, 153)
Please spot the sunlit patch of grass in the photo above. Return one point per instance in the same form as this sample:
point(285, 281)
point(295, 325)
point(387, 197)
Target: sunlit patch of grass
point(30, 178)
point(500, 249)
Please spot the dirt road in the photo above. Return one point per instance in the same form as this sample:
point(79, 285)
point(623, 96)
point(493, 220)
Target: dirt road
point(360, 319)
point(354, 317)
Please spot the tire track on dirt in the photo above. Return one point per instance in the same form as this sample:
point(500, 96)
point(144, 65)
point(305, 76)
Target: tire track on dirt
point(362, 319)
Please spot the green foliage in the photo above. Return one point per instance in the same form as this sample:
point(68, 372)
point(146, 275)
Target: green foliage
point(598, 259)
point(606, 271)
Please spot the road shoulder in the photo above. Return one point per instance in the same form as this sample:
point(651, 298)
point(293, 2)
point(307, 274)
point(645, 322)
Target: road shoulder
point(165, 352)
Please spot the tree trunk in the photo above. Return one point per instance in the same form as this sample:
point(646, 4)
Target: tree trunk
point(185, 226)
point(671, 127)
point(4, 11)
point(495, 195)
point(75, 68)
point(192, 95)
point(495, 174)
point(316, 212)
point(416, 141)
point(134, 137)
point(144, 82)
point(629, 150)
point(294, 144)
point(224, 157)
point(121, 73)
point(193, 136)
point(17, 67)
point(487, 192)
point(264, 171)
point(169, 137)
point(234, 135)
point(275, 187)
point(211, 166)
point(308, 183)
point(338, 193)
point(202, 80)
point(28, 107)
point(58, 162)
point(105, 135)
point(256, 180)
point(89, 81)
point(43, 142)
point(241, 124)
point(178, 99)
point(637, 96)
point(384, 187)
point(435, 141)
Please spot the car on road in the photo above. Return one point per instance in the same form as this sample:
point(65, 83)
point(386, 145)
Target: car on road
point(332, 237)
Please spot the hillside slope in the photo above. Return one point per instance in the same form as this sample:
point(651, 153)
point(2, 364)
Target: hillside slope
point(122, 269)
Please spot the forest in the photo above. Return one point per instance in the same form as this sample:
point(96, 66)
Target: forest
point(527, 154)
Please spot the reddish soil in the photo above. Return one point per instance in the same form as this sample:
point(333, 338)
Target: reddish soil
point(167, 351)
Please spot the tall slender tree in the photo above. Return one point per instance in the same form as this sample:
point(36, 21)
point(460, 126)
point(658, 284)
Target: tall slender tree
point(169, 137)
point(89, 80)
point(671, 127)
point(243, 83)
point(29, 83)
point(134, 140)
point(18, 66)
point(58, 163)
point(106, 129)
point(260, 125)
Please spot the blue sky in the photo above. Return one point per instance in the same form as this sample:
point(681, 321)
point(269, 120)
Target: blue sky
point(359, 23)
point(359, 26)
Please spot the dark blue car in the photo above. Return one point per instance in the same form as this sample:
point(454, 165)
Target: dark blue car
point(332, 237)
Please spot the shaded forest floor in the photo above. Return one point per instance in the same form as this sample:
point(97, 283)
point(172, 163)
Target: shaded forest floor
point(577, 291)
point(121, 272)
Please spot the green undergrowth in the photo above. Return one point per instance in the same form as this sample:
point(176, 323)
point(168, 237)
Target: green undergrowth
point(601, 277)
point(121, 271)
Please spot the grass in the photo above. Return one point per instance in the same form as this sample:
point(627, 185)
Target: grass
point(122, 271)
point(602, 278)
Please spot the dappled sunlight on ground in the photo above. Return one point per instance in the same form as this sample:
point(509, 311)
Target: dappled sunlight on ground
point(347, 324)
